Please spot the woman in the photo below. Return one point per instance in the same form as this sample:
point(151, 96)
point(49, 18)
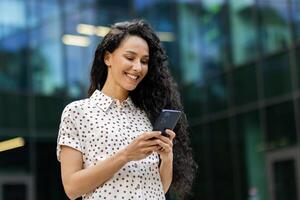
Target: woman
point(106, 145)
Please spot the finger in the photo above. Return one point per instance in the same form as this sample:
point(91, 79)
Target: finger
point(166, 140)
point(151, 134)
point(163, 144)
point(148, 150)
point(151, 142)
point(171, 134)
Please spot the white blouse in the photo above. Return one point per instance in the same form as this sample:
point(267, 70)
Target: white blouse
point(98, 127)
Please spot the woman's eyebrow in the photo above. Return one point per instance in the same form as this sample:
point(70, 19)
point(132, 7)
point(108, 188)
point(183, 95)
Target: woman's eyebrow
point(132, 52)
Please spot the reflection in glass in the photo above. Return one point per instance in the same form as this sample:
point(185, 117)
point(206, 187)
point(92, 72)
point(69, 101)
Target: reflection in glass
point(276, 75)
point(40, 12)
point(295, 15)
point(190, 48)
point(46, 59)
point(274, 25)
point(251, 153)
point(13, 66)
point(12, 17)
point(214, 36)
point(243, 31)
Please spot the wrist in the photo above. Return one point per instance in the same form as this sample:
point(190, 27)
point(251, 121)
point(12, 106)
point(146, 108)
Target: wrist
point(122, 154)
point(167, 159)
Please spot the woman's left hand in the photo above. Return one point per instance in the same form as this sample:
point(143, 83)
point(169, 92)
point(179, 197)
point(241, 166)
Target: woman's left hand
point(166, 143)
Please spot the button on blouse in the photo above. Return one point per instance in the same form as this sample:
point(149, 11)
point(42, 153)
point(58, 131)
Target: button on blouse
point(100, 126)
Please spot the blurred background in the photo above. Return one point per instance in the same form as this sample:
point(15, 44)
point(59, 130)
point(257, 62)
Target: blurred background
point(237, 63)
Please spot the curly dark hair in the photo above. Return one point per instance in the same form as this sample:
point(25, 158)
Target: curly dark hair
point(155, 92)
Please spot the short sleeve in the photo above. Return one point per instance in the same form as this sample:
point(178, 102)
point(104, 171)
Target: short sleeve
point(68, 133)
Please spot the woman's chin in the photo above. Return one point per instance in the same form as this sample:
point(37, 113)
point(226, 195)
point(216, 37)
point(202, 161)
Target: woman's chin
point(130, 88)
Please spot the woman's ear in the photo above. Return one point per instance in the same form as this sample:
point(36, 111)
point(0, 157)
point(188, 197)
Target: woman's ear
point(107, 58)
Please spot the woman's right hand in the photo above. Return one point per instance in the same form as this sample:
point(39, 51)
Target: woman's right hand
point(142, 146)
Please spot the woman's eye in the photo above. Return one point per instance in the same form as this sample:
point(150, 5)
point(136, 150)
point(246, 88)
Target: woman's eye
point(145, 62)
point(129, 58)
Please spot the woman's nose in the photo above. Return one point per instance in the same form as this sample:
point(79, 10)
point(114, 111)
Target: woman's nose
point(137, 66)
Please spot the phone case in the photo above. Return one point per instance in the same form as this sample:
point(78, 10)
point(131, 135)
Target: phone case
point(166, 120)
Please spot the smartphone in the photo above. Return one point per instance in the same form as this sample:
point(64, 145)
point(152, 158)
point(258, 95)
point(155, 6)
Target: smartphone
point(166, 120)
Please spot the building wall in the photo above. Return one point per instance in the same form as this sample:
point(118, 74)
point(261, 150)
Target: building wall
point(237, 63)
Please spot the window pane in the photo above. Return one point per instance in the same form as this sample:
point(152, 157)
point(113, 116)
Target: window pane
point(14, 111)
point(46, 59)
point(285, 180)
point(220, 151)
point(274, 25)
point(200, 144)
point(298, 65)
point(243, 31)
point(245, 85)
point(50, 107)
point(295, 6)
point(188, 51)
point(280, 125)
point(276, 75)
point(215, 36)
point(12, 17)
point(195, 100)
point(14, 62)
point(217, 93)
point(251, 155)
point(42, 11)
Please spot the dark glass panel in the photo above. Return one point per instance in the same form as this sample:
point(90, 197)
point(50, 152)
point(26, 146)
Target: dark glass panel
point(280, 125)
point(285, 180)
point(245, 85)
point(221, 153)
point(276, 75)
point(217, 93)
point(15, 111)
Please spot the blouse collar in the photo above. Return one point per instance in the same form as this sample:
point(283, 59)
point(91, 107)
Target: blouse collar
point(104, 102)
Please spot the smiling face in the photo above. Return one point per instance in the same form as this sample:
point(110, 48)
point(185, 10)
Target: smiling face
point(127, 65)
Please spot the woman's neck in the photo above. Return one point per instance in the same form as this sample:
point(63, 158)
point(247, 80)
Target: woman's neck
point(115, 92)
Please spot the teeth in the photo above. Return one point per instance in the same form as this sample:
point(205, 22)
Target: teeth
point(132, 76)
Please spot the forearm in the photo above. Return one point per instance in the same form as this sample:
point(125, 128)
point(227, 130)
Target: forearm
point(166, 173)
point(86, 180)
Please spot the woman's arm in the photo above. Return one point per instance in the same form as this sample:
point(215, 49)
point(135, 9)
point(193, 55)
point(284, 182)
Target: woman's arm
point(166, 157)
point(166, 173)
point(78, 181)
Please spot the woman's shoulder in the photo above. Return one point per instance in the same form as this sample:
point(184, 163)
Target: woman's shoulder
point(76, 106)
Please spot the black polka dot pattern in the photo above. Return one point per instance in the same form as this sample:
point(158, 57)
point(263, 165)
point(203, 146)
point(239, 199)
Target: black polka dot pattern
point(98, 127)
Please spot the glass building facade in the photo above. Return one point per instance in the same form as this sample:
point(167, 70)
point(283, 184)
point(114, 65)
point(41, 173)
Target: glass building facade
point(237, 63)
